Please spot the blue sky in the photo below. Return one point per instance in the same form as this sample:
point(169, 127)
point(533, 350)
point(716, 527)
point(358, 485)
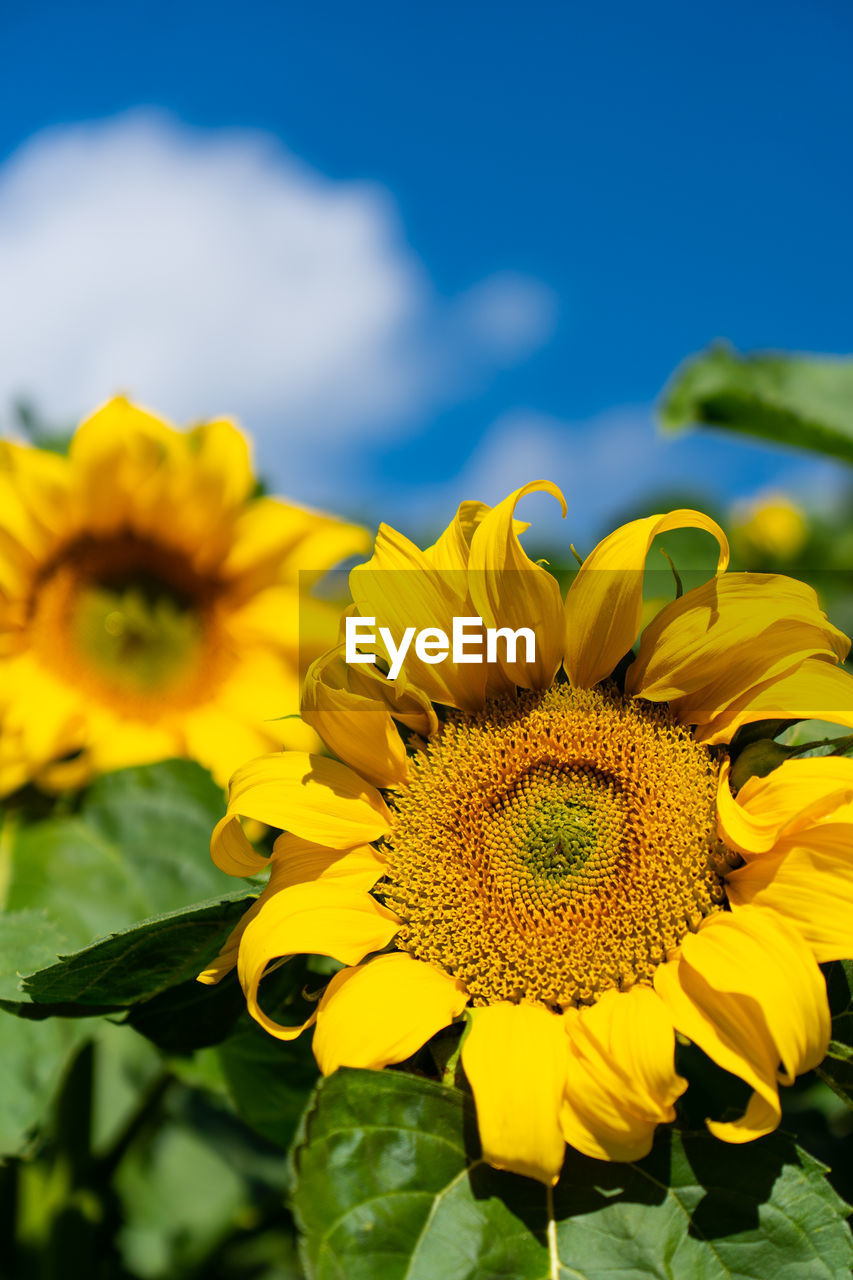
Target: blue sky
point(617, 183)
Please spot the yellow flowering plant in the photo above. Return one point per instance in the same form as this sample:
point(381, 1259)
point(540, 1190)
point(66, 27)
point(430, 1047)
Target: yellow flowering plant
point(562, 929)
point(543, 868)
point(148, 601)
point(150, 637)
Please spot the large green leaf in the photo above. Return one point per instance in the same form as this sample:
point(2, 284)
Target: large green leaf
point(270, 1080)
point(32, 1056)
point(389, 1185)
point(28, 940)
point(150, 966)
point(189, 1016)
point(138, 963)
point(139, 846)
point(805, 401)
point(138, 849)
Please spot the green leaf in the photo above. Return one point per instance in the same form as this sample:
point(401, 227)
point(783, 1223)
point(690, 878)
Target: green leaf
point(140, 962)
point(138, 847)
point(28, 940)
point(189, 1016)
point(270, 1080)
point(805, 401)
point(389, 1185)
point(137, 850)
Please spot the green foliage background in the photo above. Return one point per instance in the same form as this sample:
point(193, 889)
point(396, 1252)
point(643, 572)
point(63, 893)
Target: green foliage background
point(149, 1129)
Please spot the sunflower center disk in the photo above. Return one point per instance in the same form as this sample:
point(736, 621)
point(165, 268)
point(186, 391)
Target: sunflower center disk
point(555, 845)
point(137, 632)
point(126, 619)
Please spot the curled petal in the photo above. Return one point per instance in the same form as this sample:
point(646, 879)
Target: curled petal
point(605, 601)
point(509, 590)
point(747, 990)
point(725, 637)
point(797, 796)
point(515, 1058)
point(814, 689)
point(454, 546)
point(327, 919)
point(621, 1079)
point(408, 705)
point(383, 1012)
point(359, 729)
point(293, 862)
point(401, 588)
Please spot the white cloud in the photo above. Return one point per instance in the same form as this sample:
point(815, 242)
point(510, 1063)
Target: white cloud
point(213, 273)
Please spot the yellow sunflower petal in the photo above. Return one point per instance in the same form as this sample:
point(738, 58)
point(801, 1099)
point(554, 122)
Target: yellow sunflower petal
point(224, 478)
point(114, 742)
point(747, 990)
point(383, 1012)
point(816, 689)
point(296, 861)
point(226, 960)
point(318, 799)
point(408, 705)
point(42, 712)
point(274, 540)
point(515, 1057)
point(605, 601)
point(358, 729)
point(293, 862)
point(33, 500)
point(117, 458)
point(725, 637)
point(453, 548)
point(808, 881)
point(232, 851)
point(221, 739)
point(621, 1080)
point(400, 588)
point(509, 590)
point(321, 918)
point(795, 797)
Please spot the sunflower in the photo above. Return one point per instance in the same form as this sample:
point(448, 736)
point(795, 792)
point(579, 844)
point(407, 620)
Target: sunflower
point(554, 853)
point(148, 600)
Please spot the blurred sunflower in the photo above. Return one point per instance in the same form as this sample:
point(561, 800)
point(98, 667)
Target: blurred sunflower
point(560, 853)
point(148, 601)
point(771, 524)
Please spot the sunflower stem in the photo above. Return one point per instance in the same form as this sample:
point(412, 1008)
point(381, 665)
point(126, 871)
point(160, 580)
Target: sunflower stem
point(553, 1256)
point(448, 1075)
